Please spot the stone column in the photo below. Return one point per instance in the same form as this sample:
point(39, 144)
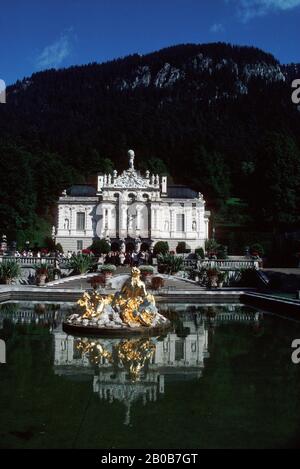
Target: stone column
point(119, 217)
point(70, 348)
point(158, 219)
point(86, 220)
point(138, 216)
point(206, 228)
point(74, 220)
point(108, 218)
point(151, 225)
point(103, 220)
point(188, 219)
point(172, 220)
point(155, 218)
point(70, 220)
point(124, 219)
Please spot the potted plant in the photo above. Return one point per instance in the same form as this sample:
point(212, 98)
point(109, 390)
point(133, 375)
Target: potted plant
point(146, 271)
point(56, 273)
point(41, 272)
point(97, 280)
point(169, 263)
point(221, 278)
point(211, 248)
point(107, 270)
point(80, 263)
point(39, 308)
point(213, 275)
point(53, 273)
point(9, 270)
point(157, 283)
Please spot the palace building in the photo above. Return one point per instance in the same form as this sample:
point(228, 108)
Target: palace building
point(131, 211)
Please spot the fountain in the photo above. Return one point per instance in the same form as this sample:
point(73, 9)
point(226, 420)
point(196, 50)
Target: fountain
point(131, 310)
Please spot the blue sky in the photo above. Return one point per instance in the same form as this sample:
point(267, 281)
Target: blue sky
point(36, 34)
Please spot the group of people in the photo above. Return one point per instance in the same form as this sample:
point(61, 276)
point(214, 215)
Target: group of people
point(131, 258)
point(38, 253)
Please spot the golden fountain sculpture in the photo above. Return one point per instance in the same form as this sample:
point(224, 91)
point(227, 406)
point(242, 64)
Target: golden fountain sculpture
point(131, 309)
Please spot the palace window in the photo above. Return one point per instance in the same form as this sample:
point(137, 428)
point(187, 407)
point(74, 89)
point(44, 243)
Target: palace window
point(79, 245)
point(80, 225)
point(180, 222)
point(77, 354)
point(179, 350)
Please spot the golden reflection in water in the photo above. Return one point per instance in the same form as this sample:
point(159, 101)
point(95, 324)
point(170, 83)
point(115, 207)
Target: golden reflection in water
point(132, 354)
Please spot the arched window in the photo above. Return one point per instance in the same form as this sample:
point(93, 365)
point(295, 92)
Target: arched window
point(131, 197)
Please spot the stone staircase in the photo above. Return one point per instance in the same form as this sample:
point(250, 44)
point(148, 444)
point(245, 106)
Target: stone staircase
point(82, 283)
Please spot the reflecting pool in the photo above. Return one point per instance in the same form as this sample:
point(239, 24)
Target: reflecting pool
point(221, 378)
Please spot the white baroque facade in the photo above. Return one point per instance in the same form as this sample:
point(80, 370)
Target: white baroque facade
point(130, 207)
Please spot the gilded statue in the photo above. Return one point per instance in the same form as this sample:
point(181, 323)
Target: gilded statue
point(132, 307)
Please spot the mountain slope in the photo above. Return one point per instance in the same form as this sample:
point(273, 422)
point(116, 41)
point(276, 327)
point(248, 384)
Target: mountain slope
point(207, 113)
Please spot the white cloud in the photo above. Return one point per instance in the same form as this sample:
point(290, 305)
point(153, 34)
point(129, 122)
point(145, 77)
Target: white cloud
point(53, 55)
point(248, 9)
point(217, 28)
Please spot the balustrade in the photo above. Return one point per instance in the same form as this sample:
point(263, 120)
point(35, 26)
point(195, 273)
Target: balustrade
point(222, 264)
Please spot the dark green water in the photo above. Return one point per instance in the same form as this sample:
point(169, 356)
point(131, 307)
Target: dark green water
point(223, 378)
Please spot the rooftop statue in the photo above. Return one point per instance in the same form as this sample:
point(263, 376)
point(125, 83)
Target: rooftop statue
point(131, 155)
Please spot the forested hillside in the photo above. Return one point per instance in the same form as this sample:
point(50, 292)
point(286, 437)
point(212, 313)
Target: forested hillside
point(216, 117)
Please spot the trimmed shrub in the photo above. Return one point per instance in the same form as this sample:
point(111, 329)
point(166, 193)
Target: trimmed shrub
point(257, 249)
point(200, 253)
point(100, 246)
point(161, 247)
point(59, 248)
point(181, 247)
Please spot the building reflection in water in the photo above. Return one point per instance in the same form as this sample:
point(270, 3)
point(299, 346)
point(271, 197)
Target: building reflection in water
point(128, 370)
